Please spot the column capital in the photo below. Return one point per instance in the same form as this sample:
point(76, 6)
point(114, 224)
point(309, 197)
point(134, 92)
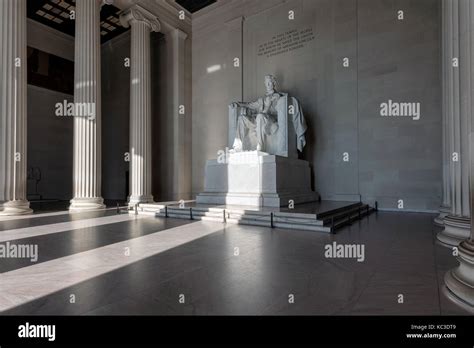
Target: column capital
point(178, 33)
point(137, 13)
point(105, 2)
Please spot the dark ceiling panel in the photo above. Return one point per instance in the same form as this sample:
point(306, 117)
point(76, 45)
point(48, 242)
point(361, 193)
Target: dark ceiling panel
point(194, 5)
point(56, 14)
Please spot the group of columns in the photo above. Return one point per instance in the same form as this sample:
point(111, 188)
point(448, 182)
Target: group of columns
point(456, 212)
point(87, 91)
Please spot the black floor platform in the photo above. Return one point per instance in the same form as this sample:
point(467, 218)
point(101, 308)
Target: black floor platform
point(324, 216)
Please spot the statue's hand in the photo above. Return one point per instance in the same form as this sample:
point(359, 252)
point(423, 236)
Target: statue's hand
point(234, 105)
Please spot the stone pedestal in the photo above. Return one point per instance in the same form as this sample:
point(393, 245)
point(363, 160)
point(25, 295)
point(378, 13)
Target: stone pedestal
point(255, 178)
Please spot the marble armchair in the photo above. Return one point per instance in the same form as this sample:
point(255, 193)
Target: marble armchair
point(286, 141)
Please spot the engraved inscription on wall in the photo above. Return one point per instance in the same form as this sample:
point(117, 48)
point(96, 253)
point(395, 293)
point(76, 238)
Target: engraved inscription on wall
point(285, 42)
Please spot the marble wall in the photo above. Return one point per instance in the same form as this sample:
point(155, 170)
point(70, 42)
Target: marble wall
point(49, 137)
point(400, 60)
point(388, 158)
point(50, 40)
point(49, 144)
point(115, 117)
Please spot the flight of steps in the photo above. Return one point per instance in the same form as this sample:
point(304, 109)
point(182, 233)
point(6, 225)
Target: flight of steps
point(327, 221)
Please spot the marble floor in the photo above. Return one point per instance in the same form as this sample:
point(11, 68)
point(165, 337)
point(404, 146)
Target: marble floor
point(104, 263)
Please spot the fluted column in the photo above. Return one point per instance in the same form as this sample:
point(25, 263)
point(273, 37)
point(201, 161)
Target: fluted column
point(13, 62)
point(460, 281)
point(181, 178)
point(445, 207)
point(142, 23)
point(457, 222)
point(87, 99)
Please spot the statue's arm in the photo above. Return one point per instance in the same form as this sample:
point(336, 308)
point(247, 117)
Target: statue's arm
point(255, 105)
point(239, 104)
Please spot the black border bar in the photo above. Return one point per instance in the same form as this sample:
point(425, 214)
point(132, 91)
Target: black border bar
point(288, 330)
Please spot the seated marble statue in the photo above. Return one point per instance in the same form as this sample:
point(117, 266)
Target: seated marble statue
point(263, 124)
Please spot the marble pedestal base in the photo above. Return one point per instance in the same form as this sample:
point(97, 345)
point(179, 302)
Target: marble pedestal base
point(84, 204)
point(460, 281)
point(255, 178)
point(443, 212)
point(18, 207)
point(133, 200)
point(456, 229)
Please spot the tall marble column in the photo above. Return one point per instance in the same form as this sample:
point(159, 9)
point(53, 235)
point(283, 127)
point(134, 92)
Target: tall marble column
point(445, 207)
point(457, 222)
point(460, 281)
point(181, 145)
point(13, 63)
point(87, 93)
point(142, 23)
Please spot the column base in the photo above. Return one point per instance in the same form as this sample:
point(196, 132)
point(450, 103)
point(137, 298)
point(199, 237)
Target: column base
point(85, 204)
point(132, 200)
point(18, 207)
point(443, 212)
point(460, 281)
point(456, 229)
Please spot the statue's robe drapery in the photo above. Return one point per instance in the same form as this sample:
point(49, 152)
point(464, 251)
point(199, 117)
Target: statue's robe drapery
point(261, 122)
point(256, 126)
point(299, 123)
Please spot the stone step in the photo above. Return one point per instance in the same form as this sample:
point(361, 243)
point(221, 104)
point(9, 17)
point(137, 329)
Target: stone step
point(341, 214)
point(332, 212)
point(353, 217)
point(293, 226)
point(302, 226)
point(331, 219)
point(286, 219)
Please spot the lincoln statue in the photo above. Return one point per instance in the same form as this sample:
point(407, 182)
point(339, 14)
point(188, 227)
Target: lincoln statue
point(257, 125)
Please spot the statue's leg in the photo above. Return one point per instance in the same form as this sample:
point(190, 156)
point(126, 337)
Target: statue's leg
point(243, 125)
point(239, 134)
point(261, 123)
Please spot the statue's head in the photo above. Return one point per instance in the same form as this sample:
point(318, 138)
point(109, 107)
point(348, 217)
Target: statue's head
point(270, 82)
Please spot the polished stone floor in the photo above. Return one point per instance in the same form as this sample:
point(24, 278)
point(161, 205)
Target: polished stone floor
point(104, 263)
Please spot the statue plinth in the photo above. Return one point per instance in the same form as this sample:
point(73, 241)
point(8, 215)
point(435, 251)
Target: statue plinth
point(273, 123)
point(255, 178)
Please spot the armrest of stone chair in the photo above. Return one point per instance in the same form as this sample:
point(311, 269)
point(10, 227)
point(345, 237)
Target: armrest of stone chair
point(234, 113)
point(286, 136)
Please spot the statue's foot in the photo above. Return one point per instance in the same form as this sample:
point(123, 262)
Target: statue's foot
point(259, 147)
point(237, 146)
